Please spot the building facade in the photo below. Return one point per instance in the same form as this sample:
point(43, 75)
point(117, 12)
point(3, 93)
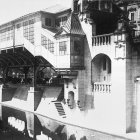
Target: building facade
point(82, 63)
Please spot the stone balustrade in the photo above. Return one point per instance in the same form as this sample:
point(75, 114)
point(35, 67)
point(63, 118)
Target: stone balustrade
point(101, 40)
point(102, 87)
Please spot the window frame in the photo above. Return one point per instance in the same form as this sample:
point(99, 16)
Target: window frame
point(63, 48)
point(48, 21)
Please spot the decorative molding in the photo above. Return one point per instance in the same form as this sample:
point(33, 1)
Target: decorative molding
point(120, 51)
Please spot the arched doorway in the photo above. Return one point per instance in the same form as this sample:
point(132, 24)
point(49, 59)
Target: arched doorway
point(101, 73)
point(101, 68)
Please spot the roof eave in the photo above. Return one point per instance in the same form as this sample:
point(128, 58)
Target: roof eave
point(17, 19)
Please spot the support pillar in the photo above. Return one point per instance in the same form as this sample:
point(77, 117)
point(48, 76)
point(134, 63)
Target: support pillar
point(1, 86)
point(32, 90)
point(5, 74)
point(36, 68)
point(26, 70)
point(30, 99)
point(30, 124)
point(137, 87)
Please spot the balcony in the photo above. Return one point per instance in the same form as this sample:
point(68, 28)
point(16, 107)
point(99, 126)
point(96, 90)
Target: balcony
point(100, 40)
point(103, 44)
point(102, 87)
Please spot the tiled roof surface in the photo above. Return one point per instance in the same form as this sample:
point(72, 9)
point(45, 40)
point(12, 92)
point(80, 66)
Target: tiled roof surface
point(73, 25)
point(55, 9)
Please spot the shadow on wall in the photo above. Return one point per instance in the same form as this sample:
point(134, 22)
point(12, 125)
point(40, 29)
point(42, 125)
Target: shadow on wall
point(89, 102)
point(133, 121)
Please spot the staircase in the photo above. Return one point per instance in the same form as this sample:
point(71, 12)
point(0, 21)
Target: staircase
point(48, 34)
point(40, 51)
point(60, 109)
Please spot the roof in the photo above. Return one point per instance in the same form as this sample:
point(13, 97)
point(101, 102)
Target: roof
point(72, 26)
point(20, 18)
point(55, 9)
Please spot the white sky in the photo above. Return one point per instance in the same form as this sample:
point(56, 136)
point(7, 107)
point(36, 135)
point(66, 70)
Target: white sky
point(12, 9)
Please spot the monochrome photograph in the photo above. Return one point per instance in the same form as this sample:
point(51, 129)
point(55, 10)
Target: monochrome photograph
point(70, 70)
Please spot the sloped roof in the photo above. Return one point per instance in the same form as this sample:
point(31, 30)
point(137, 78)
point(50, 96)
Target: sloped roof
point(72, 26)
point(55, 9)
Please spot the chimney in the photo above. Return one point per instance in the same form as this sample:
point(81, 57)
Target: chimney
point(74, 5)
point(83, 3)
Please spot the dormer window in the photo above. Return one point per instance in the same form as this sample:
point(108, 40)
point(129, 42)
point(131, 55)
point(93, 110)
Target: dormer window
point(47, 21)
point(57, 22)
point(60, 21)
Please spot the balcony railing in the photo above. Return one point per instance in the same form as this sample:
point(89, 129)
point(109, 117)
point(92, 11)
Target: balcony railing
point(101, 40)
point(102, 87)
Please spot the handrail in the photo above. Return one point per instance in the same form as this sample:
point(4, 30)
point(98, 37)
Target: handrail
point(103, 35)
point(40, 50)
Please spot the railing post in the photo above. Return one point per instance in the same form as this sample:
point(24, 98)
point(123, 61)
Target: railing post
point(107, 88)
point(101, 40)
point(110, 39)
point(105, 39)
point(96, 41)
point(102, 87)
